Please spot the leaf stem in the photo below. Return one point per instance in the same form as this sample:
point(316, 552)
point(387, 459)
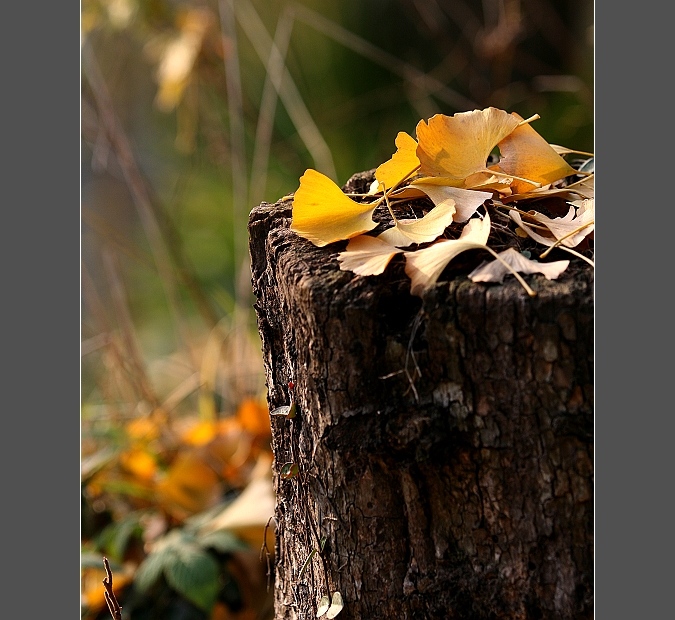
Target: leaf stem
point(386, 192)
point(386, 199)
point(578, 255)
point(527, 121)
point(580, 181)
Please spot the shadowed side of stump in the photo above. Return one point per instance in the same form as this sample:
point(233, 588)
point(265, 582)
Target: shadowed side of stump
point(444, 444)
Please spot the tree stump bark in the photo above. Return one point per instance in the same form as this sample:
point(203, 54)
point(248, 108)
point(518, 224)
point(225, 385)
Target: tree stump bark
point(444, 444)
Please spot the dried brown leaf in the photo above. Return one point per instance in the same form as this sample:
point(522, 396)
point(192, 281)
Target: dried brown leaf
point(495, 270)
point(466, 201)
point(569, 230)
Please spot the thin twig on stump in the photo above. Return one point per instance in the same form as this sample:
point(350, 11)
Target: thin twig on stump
point(114, 607)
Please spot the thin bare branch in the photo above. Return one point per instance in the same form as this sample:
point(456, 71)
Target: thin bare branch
point(288, 92)
point(268, 104)
point(126, 325)
point(410, 74)
point(239, 172)
point(132, 176)
point(127, 384)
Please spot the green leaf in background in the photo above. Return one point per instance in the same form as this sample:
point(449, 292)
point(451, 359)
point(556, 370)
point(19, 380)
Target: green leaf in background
point(151, 569)
point(114, 539)
point(193, 573)
point(222, 541)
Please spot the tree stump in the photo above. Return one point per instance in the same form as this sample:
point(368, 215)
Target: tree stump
point(444, 444)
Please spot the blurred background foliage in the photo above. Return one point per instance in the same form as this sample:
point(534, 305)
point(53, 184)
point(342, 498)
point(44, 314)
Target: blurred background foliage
point(193, 112)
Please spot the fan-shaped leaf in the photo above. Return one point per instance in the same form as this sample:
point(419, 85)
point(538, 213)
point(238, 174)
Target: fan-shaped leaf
point(403, 162)
point(367, 256)
point(524, 153)
point(458, 146)
point(465, 201)
point(427, 228)
point(425, 266)
point(323, 214)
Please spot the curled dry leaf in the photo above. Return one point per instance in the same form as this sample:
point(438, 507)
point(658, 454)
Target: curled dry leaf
point(524, 153)
point(568, 230)
point(466, 201)
point(584, 188)
point(427, 228)
point(487, 181)
point(425, 266)
point(323, 214)
point(367, 256)
point(403, 162)
point(495, 270)
point(458, 146)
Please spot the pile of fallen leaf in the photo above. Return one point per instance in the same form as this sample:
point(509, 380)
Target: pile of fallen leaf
point(180, 508)
point(453, 166)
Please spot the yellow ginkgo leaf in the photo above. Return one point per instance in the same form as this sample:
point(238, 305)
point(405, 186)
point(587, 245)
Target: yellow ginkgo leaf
point(466, 201)
point(427, 228)
point(323, 214)
point(367, 256)
point(524, 153)
point(458, 146)
point(425, 266)
point(403, 162)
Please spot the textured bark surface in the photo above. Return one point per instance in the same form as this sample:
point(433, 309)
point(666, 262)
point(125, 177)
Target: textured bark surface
point(464, 491)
